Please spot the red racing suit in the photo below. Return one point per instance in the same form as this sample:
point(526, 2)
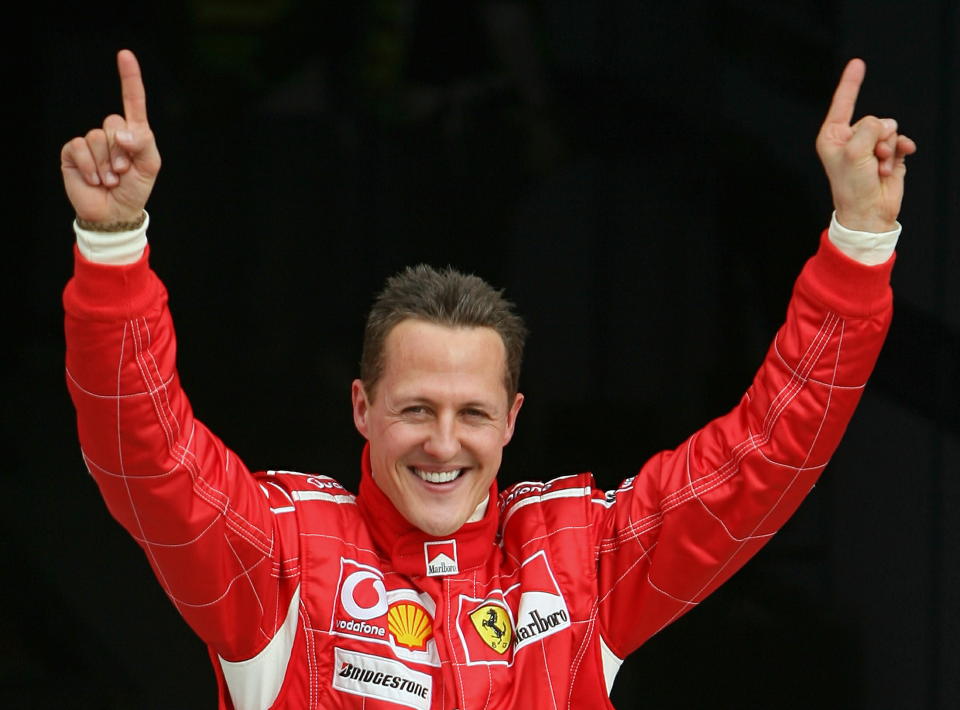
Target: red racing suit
point(311, 597)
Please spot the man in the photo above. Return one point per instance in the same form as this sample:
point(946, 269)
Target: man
point(429, 589)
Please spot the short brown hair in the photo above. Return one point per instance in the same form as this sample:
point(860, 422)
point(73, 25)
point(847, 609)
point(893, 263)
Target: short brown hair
point(445, 297)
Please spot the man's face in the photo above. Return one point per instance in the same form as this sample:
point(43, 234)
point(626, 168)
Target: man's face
point(438, 421)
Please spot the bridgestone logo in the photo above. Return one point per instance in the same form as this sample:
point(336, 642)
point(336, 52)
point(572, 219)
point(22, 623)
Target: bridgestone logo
point(540, 624)
point(381, 679)
point(385, 679)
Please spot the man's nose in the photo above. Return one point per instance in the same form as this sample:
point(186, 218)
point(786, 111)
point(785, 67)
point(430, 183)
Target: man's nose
point(443, 443)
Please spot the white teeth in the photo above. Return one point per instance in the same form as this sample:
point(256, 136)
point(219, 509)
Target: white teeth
point(438, 476)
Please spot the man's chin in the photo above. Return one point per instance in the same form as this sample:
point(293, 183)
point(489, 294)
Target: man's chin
point(439, 528)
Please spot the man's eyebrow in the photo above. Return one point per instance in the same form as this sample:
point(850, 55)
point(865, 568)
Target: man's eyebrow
point(402, 398)
point(478, 403)
point(488, 407)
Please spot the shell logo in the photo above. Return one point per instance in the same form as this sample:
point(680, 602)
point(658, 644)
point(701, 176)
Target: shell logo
point(410, 625)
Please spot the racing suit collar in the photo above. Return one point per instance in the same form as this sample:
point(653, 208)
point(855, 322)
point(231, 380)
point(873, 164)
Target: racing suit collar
point(415, 553)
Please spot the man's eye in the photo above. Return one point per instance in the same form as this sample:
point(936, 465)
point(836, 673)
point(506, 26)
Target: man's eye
point(415, 410)
point(475, 413)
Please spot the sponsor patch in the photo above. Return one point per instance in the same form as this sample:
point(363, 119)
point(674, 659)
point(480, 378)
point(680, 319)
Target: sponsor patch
point(363, 595)
point(325, 483)
point(542, 617)
point(381, 679)
point(493, 629)
point(401, 619)
point(441, 558)
point(493, 624)
point(476, 620)
point(410, 625)
point(541, 608)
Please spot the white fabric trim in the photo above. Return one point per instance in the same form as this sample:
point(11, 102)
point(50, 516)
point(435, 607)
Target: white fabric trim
point(255, 683)
point(320, 495)
point(115, 248)
point(566, 493)
point(870, 248)
point(562, 493)
point(479, 511)
point(611, 664)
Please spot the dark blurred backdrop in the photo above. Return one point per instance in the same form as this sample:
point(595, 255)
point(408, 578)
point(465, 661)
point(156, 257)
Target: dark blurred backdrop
point(641, 179)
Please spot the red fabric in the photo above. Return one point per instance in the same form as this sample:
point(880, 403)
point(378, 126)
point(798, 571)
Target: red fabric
point(403, 544)
point(563, 565)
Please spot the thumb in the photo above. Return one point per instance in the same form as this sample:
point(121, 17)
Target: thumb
point(140, 145)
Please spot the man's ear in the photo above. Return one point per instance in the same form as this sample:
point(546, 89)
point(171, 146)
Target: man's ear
point(361, 407)
point(512, 418)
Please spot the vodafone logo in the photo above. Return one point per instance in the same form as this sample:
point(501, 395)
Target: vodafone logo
point(324, 484)
point(373, 601)
point(372, 608)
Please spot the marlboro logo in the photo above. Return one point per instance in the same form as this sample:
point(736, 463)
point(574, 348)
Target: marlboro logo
point(441, 558)
point(538, 624)
point(540, 607)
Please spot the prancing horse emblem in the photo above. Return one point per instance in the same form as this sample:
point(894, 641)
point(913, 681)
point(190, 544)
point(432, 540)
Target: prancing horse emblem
point(493, 625)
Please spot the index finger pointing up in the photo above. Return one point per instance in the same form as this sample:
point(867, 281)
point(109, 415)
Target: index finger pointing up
point(131, 86)
point(845, 96)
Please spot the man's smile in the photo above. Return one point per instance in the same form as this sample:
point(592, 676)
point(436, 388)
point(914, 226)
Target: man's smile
point(437, 477)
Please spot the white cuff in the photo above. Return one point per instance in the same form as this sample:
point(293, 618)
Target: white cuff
point(115, 248)
point(870, 248)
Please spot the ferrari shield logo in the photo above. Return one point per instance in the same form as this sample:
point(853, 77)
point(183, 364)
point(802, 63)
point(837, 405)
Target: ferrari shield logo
point(493, 625)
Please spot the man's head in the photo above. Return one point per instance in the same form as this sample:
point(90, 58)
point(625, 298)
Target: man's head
point(444, 297)
point(437, 398)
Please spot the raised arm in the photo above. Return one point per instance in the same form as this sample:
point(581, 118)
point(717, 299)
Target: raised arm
point(693, 516)
point(203, 521)
point(109, 173)
point(865, 161)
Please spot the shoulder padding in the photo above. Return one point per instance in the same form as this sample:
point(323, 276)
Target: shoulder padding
point(528, 492)
point(290, 487)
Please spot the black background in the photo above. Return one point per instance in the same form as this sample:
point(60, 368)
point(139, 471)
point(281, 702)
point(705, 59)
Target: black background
point(641, 179)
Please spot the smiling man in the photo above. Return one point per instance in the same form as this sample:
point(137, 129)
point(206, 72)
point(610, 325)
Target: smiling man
point(431, 589)
point(437, 398)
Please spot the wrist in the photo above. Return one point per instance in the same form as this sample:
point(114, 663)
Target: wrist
point(114, 226)
point(116, 248)
point(868, 248)
point(868, 223)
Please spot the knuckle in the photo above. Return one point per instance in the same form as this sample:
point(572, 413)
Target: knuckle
point(68, 151)
point(76, 149)
point(75, 145)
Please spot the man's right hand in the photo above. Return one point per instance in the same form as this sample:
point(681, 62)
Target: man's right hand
point(109, 173)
